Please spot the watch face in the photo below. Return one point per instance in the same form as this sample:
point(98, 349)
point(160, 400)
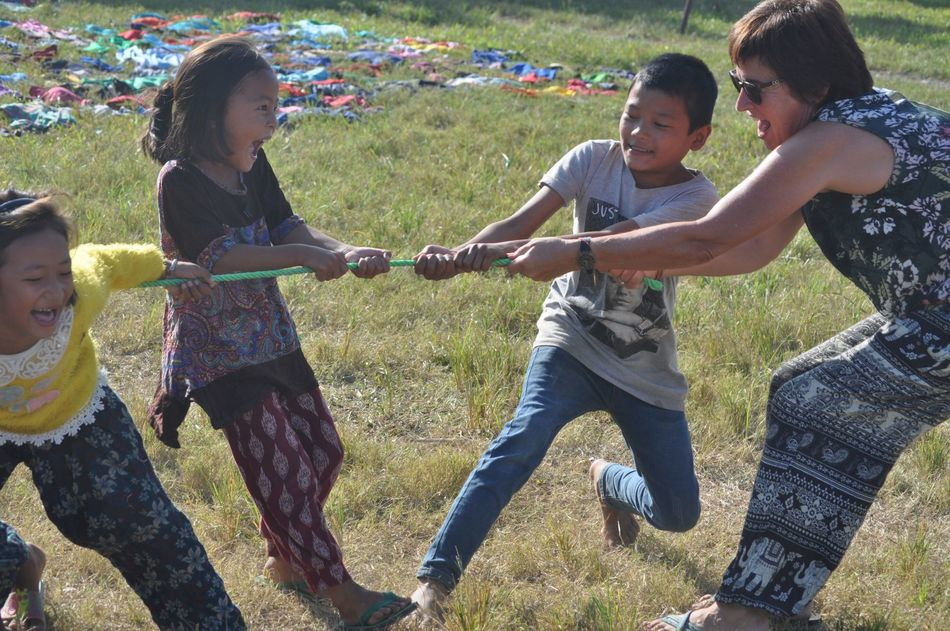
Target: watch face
point(585, 258)
point(585, 261)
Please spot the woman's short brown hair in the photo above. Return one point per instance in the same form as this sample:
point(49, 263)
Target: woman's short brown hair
point(808, 44)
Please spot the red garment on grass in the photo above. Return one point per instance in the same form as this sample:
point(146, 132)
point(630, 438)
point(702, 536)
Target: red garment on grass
point(346, 99)
point(151, 22)
point(119, 101)
point(44, 53)
point(289, 454)
point(57, 95)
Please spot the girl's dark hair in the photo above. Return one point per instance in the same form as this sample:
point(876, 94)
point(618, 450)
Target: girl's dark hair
point(808, 44)
point(188, 116)
point(39, 214)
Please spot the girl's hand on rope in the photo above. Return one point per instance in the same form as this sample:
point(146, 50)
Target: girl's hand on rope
point(369, 261)
point(326, 264)
point(478, 257)
point(544, 259)
point(193, 290)
point(435, 262)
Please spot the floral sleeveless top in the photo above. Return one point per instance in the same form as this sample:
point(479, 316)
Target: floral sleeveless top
point(893, 244)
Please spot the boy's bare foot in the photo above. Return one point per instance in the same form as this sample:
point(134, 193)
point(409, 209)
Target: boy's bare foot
point(430, 598)
point(714, 618)
point(620, 528)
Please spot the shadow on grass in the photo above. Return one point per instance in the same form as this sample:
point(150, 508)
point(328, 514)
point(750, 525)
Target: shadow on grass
point(898, 29)
point(675, 559)
point(930, 4)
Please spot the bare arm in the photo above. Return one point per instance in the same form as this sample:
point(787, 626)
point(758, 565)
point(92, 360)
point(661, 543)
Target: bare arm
point(326, 264)
point(820, 157)
point(370, 261)
point(493, 241)
point(750, 255)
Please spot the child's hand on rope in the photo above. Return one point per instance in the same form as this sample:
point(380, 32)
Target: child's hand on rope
point(369, 261)
point(436, 262)
point(326, 264)
point(631, 278)
point(197, 287)
point(478, 257)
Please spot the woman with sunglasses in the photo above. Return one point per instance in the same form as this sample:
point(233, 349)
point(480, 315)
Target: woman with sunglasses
point(868, 172)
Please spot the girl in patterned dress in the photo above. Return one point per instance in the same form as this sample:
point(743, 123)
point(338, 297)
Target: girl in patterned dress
point(236, 352)
point(868, 172)
point(60, 418)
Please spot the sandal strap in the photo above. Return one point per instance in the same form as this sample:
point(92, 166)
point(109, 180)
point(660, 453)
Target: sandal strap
point(387, 599)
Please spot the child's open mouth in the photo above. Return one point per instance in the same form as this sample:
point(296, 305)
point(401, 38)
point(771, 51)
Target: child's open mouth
point(256, 147)
point(45, 317)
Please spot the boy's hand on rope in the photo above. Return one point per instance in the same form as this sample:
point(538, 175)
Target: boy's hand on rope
point(478, 257)
point(436, 262)
point(193, 290)
point(631, 278)
point(369, 261)
point(326, 264)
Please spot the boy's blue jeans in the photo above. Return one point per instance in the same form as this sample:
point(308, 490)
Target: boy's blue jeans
point(557, 389)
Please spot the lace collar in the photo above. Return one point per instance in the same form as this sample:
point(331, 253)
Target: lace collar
point(40, 358)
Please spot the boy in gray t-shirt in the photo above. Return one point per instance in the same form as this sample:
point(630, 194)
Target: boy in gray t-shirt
point(600, 345)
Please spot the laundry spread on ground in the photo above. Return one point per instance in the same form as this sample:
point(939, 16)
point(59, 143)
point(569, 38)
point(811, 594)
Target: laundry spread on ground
point(62, 74)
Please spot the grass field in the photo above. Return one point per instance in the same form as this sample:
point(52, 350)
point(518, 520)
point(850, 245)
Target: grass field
point(421, 375)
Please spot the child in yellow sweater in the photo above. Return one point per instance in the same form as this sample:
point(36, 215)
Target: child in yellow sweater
point(60, 418)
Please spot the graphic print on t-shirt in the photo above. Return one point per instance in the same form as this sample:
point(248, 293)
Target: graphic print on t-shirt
point(626, 320)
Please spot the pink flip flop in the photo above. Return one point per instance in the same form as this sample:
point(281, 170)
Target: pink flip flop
point(13, 617)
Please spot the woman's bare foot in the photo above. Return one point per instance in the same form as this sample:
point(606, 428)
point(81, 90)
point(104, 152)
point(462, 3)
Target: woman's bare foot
point(620, 528)
point(354, 601)
point(713, 618)
point(707, 600)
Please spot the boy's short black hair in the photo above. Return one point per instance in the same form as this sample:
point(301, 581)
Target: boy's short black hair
point(684, 77)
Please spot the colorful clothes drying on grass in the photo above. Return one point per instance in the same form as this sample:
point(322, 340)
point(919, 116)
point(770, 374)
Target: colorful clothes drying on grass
point(91, 66)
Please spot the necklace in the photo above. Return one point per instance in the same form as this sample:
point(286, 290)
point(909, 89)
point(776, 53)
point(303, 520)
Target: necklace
point(242, 190)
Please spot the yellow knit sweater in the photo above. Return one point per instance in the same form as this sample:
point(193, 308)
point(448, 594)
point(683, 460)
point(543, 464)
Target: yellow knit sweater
point(52, 388)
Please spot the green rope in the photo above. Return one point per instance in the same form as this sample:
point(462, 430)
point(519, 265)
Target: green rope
point(221, 278)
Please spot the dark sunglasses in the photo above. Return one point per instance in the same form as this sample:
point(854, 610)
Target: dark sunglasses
point(753, 89)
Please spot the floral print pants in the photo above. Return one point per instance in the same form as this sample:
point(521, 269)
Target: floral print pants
point(98, 487)
point(838, 418)
point(289, 455)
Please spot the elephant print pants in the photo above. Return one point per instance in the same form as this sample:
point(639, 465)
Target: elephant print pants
point(838, 418)
point(99, 489)
point(289, 455)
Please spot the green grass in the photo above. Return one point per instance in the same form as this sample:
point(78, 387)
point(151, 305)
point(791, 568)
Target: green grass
point(420, 375)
